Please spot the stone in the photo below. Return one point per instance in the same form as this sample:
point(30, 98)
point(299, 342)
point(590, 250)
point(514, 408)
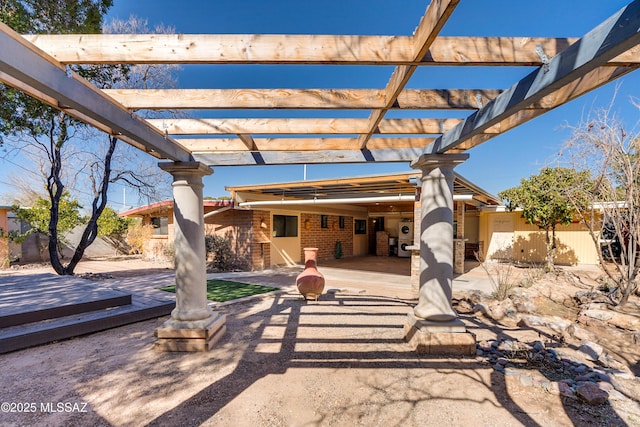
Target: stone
point(591, 393)
point(598, 314)
point(591, 350)
point(565, 389)
point(580, 333)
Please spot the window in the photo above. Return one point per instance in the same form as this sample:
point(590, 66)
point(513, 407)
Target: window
point(285, 226)
point(360, 226)
point(160, 225)
point(324, 221)
point(341, 221)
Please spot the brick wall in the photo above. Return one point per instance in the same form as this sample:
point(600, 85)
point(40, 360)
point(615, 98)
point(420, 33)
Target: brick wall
point(237, 226)
point(314, 236)
point(260, 248)
point(382, 243)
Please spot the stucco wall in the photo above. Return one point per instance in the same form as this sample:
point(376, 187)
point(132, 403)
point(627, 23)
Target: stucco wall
point(507, 234)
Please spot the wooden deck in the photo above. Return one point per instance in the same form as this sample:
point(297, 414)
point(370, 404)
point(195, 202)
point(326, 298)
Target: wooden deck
point(42, 308)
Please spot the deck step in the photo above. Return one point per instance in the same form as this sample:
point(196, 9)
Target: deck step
point(46, 296)
point(46, 331)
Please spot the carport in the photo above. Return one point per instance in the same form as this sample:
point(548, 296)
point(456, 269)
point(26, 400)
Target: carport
point(565, 69)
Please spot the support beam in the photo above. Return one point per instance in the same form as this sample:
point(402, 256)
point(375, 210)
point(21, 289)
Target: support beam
point(300, 99)
point(300, 49)
point(577, 66)
point(306, 157)
point(30, 70)
point(300, 126)
point(302, 143)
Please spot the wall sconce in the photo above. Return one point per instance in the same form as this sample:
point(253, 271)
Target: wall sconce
point(263, 224)
point(335, 225)
point(307, 224)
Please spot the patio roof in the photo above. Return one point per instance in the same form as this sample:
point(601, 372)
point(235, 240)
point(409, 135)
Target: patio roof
point(364, 188)
point(565, 68)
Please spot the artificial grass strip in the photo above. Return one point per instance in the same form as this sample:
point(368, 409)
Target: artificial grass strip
point(226, 290)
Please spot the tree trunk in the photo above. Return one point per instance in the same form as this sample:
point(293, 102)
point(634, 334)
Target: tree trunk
point(551, 249)
point(99, 202)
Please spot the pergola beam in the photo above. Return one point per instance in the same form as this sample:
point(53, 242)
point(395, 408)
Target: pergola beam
point(298, 144)
point(222, 158)
point(300, 126)
point(300, 99)
point(35, 73)
point(300, 49)
point(571, 73)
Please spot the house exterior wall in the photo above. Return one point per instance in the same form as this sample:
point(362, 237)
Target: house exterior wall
point(325, 239)
point(507, 235)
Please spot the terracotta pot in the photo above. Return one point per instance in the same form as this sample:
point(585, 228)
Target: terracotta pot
point(310, 282)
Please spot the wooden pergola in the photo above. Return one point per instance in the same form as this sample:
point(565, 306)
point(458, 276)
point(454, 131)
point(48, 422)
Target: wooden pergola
point(564, 70)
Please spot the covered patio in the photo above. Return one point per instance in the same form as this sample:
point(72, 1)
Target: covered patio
point(564, 70)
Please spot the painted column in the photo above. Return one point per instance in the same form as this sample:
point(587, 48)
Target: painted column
point(436, 238)
point(188, 215)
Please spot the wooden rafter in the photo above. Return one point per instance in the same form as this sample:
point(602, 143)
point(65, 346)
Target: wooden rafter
point(300, 49)
point(300, 99)
point(298, 144)
point(300, 126)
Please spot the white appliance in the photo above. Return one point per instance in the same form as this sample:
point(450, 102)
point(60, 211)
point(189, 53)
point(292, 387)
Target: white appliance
point(405, 238)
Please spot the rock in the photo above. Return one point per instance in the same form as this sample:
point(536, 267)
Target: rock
point(580, 333)
point(565, 389)
point(502, 361)
point(464, 306)
point(591, 393)
point(555, 323)
point(598, 314)
point(624, 321)
point(585, 297)
point(591, 350)
point(507, 345)
point(606, 387)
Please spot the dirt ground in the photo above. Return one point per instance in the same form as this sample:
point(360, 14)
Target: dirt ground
point(340, 361)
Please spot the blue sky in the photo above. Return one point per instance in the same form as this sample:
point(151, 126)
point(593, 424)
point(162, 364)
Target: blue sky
point(496, 165)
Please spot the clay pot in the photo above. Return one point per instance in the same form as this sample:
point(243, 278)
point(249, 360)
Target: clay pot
point(310, 282)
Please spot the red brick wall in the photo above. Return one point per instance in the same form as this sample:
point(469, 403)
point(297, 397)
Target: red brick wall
point(260, 249)
point(325, 238)
point(235, 225)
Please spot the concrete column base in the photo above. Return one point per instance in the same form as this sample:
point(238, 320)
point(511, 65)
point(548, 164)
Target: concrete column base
point(197, 335)
point(441, 338)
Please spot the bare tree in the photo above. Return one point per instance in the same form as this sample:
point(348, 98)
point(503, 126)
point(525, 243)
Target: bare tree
point(604, 147)
point(74, 158)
